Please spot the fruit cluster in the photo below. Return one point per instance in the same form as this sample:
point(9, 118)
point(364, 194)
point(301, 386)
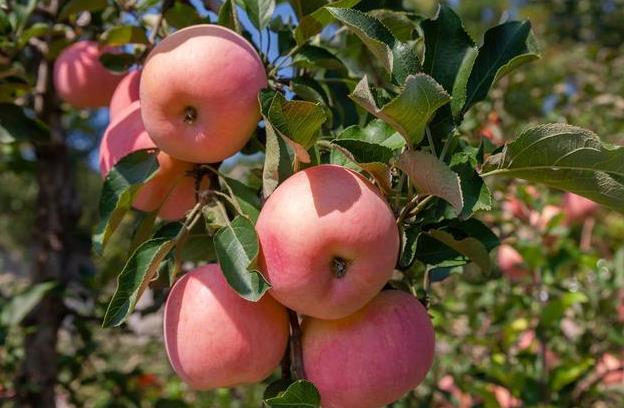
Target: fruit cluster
point(329, 240)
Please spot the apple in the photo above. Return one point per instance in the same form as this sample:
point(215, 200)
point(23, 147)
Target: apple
point(540, 220)
point(172, 190)
point(329, 242)
point(199, 93)
point(80, 79)
point(215, 338)
point(373, 357)
point(126, 92)
point(511, 263)
point(577, 208)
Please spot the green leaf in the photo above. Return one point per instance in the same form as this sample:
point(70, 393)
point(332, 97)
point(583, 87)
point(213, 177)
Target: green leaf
point(140, 269)
point(120, 187)
point(476, 194)
point(311, 56)
point(237, 249)
point(568, 373)
point(433, 177)
point(76, 6)
point(469, 247)
point(555, 309)
point(376, 36)
point(35, 30)
point(122, 35)
point(449, 54)
point(299, 121)
point(400, 23)
point(16, 125)
point(21, 304)
point(304, 7)
point(411, 110)
point(117, 62)
point(365, 152)
point(277, 162)
point(181, 15)
point(314, 22)
point(376, 131)
point(399, 59)
point(564, 157)
point(300, 394)
point(260, 12)
point(228, 16)
point(505, 47)
point(245, 197)
point(422, 245)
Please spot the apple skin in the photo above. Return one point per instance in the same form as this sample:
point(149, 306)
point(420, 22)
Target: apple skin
point(317, 217)
point(214, 338)
point(211, 72)
point(511, 263)
point(171, 189)
point(126, 92)
point(577, 208)
point(80, 79)
point(373, 357)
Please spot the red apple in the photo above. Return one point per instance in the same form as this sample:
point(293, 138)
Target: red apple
point(215, 338)
point(171, 190)
point(80, 79)
point(329, 242)
point(199, 93)
point(126, 92)
point(511, 263)
point(373, 357)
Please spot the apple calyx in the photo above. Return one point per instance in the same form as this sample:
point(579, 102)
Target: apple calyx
point(339, 267)
point(190, 115)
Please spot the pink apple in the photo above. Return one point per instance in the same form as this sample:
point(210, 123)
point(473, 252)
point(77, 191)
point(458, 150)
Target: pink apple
point(511, 263)
point(199, 93)
point(214, 338)
point(80, 79)
point(577, 208)
point(172, 189)
point(329, 242)
point(373, 357)
point(126, 92)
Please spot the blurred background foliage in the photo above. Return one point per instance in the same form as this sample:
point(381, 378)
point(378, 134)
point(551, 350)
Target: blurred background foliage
point(554, 339)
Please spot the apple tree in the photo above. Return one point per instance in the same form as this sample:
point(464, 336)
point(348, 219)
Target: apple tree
point(373, 88)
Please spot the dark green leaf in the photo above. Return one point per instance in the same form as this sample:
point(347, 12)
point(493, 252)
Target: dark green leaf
point(475, 192)
point(228, 16)
point(449, 53)
point(311, 56)
point(314, 22)
point(505, 47)
point(365, 152)
point(77, 6)
point(140, 269)
point(15, 125)
point(118, 62)
point(300, 394)
point(564, 157)
point(120, 187)
point(400, 23)
point(181, 15)
point(277, 162)
point(237, 249)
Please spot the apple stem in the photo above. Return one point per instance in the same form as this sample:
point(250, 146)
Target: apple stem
point(295, 346)
point(339, 266)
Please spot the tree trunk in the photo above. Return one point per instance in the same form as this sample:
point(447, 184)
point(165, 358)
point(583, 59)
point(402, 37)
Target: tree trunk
point(56, 250)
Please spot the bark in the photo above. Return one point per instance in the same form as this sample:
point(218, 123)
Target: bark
point(58, 251)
